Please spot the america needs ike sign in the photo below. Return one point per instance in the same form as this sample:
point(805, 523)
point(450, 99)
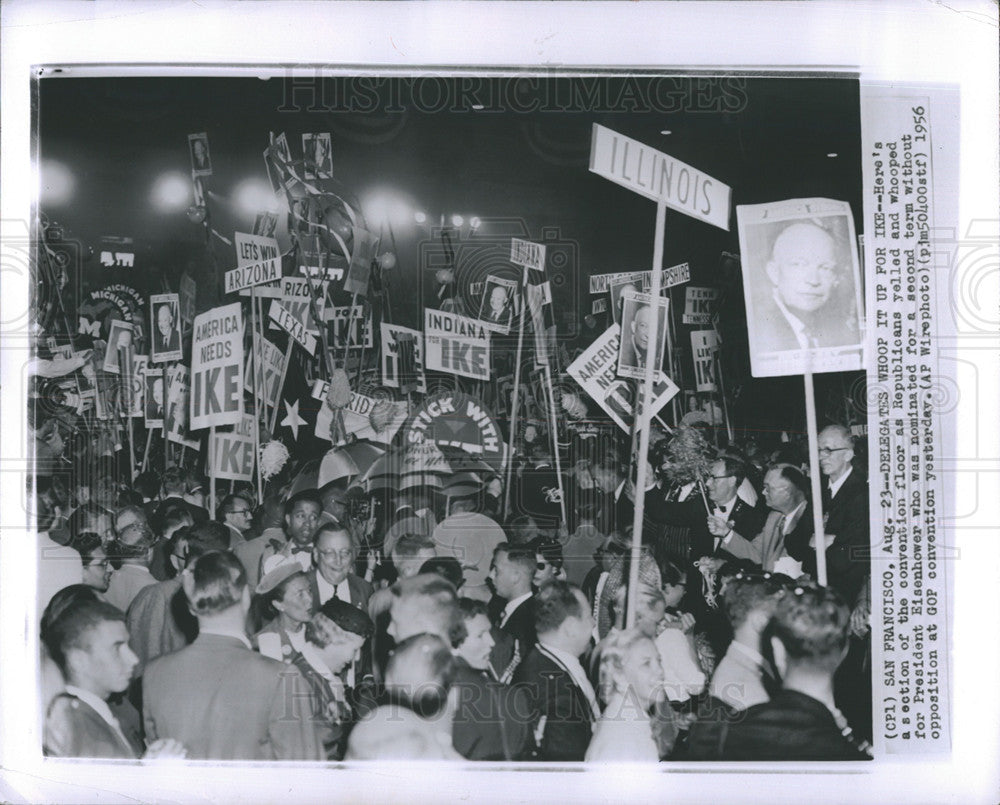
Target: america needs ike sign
point(217, 367)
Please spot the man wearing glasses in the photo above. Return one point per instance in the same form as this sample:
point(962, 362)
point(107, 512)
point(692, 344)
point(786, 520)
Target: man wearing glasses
point(333, 577)
point(730, 513)
point(236, 514)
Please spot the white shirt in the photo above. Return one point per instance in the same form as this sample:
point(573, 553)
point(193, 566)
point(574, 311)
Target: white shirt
point(835, 485)
point(797, 325)
point(326, 590)
point(513, 604)
point(787, 525)
point(572, 664)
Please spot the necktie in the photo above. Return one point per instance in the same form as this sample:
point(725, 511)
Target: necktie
point(779, 529)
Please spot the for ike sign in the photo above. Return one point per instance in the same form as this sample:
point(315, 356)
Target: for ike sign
point(217, 367)
point(456, 344)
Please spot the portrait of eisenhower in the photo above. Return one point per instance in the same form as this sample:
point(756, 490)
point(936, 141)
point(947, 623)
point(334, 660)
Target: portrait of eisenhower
point(802, 284)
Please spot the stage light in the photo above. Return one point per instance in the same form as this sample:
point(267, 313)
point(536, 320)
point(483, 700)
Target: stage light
point(385, 207)
point(666, 132)
point(57, 183)
point(457, 220)
point(171, 192)
point(419, 217)
point(831, 155)
point(475, 222)
point(254, 196)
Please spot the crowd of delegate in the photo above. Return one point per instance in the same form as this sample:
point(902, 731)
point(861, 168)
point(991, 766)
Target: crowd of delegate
point(308, 628)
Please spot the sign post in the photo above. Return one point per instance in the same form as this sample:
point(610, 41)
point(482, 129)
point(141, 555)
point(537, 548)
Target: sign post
point(670, 183)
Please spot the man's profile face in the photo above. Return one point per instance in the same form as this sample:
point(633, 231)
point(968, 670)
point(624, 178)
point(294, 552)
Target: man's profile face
point(640, 328)
point(803, 267)
point(107, 662)
point(777, 490)
point(721, 485)
point(301, 522)
point(505, 575)
point(835, 453)
point(165, 320)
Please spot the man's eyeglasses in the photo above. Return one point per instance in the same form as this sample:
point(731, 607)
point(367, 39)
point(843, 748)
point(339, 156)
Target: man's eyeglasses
point(718, 477)
point(825, 451)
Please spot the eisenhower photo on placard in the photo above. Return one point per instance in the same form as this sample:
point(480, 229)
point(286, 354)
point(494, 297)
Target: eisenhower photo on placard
point(801, 281)
point(498, 305)
point(166, 327)
point(201, 161)
point(637, 328)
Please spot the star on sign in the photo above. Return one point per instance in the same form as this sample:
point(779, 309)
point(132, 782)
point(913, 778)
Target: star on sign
point(292, 419)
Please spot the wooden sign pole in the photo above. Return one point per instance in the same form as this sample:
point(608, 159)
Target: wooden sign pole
point(515, 395)
point(643, 415)
point(817, 491)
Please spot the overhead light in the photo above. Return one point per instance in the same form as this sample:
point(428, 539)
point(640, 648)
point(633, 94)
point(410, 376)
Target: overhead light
point(171, 192)
point(254, 196)
point(832, 155)
point(419, 217)
point(58, 183)
point(666, 132)
point(474, 222)
point(457, 220)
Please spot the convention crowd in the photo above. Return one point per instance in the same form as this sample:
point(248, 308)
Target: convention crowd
point(334, 623)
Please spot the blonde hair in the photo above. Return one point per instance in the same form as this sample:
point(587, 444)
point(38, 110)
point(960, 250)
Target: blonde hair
point(613, 648)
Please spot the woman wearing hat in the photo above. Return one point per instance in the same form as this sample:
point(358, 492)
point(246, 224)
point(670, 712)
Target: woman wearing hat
point(286, 603)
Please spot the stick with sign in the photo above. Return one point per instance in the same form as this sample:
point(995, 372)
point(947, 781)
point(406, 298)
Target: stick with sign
point(817, 492)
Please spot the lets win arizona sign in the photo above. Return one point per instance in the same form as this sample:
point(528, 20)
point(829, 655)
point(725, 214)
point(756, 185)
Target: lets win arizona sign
point(217, 367)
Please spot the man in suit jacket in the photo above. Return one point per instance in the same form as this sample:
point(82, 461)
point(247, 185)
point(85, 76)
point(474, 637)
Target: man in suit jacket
point(512, 572)
point(301, 518)
point(845, 515)
point(333, 556)
point(89, 643)
point(785, 495)
point(563, 704)
point(167, 338)
point(730, 513)
point(218, 697)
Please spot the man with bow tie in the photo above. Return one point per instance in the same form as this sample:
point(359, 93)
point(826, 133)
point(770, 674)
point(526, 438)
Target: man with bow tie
point(730, 514)
point(302, 513)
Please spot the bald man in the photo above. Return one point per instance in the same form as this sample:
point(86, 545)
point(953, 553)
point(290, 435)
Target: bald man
point(806, 308)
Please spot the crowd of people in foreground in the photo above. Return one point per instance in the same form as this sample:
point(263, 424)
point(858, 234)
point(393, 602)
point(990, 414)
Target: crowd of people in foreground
point(312, 627)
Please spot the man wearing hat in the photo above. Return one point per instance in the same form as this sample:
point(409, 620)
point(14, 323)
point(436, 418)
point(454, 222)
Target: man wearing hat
point(334, 638)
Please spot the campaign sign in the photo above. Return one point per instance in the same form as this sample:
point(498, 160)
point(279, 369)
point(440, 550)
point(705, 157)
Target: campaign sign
point(527, 254)
point(596, 371)
point(454, 419)
point(704, 343)
point(657, 176)
point(271, 363)
point(217, 367)
point(362, 255)
point(360, 324)
point(279, 314)
point(396, 341)
point(231, 453)
point(258, 261)
point(297, 295)
point(456, 344)
point(698, 305)
point(669, 277)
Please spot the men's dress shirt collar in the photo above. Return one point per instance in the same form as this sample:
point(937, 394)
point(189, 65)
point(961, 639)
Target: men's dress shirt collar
point(218, 632)
point(728, 506)
point(327, 590)
point(513, 604)
point(572, 664)
point(835, 485)
point(96, 702)
point(798, 326)
point(752, 655)
point(785, 528)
